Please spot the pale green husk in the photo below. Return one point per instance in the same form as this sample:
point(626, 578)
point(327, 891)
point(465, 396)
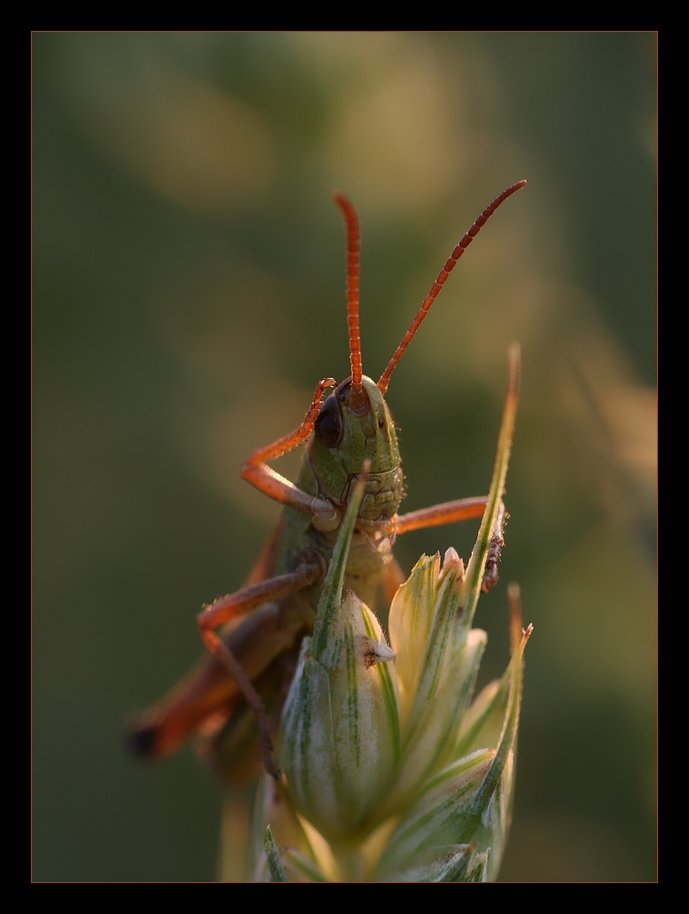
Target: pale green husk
point(391, 771)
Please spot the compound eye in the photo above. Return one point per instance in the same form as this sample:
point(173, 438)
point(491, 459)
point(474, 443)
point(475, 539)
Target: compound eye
point(329, 428)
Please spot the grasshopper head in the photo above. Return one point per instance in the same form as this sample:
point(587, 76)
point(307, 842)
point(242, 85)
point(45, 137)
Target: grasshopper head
point(355, 423)
point(354, 426)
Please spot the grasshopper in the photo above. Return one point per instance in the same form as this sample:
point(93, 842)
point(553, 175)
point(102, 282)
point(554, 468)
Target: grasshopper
point(350, 434)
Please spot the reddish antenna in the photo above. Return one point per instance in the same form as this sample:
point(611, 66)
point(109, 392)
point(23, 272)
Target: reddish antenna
point(352, 290)
point(442, 276)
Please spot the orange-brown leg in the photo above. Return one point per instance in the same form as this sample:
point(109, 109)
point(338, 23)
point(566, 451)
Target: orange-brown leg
point(277, 487)
point(451, 512)
point(238, 604)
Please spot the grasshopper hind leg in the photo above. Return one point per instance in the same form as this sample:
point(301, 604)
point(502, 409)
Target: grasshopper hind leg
point(240, 603)
point(233, 748)
point(209, 696)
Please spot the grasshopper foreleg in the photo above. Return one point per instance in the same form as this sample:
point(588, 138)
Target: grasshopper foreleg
point(277, 487)
point(451, 512)
point(227, 608)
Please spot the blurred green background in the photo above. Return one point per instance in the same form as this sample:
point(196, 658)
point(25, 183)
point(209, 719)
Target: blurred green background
point(188, 294)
